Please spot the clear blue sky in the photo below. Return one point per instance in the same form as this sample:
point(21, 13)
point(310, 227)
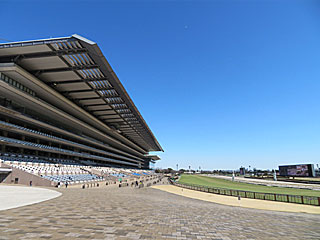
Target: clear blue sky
point(221, 83)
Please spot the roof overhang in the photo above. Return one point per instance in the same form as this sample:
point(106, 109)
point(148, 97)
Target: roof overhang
point(153, 157)
point(75, 67)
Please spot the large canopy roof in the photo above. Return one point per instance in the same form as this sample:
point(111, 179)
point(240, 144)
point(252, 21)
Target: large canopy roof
point(75, 67)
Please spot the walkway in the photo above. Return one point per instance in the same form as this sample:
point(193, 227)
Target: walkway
point(147, 213)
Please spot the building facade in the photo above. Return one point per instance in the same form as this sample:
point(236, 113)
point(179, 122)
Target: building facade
point(60, 99)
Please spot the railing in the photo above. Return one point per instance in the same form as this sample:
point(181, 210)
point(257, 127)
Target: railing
point(308, 200)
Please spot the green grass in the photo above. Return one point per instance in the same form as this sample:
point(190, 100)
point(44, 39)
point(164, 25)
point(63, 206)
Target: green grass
point(222, 183)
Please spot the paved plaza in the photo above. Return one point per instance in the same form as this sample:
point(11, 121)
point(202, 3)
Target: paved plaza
point(147, 213)
point(17, 196)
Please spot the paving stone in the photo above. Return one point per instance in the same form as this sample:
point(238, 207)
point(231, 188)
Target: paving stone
point(147, 213)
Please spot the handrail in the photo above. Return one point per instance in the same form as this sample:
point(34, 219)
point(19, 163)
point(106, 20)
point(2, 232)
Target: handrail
point(299, 199)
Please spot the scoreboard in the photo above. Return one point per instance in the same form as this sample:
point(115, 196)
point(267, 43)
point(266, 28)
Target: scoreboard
point(300, 170)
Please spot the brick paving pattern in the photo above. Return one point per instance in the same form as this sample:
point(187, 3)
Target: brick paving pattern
point(127, 213)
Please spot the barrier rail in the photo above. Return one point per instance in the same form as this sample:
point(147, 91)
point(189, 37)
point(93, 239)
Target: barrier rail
point(309, 200)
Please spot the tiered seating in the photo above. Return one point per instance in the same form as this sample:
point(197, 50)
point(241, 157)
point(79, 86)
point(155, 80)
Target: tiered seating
point(115, 172)
point(89, 163)
point(63, 161)
point(48, 148)
point(81, 146)
point(41, 146)
point(50, 169)
point(80, 178)
point(54, 172)
point(118, 175)
point(136, 174)
point(33, 159)
point(122, 172)
point(139, 172)
point(44, 134)
point(6, 158)
point(65, 170)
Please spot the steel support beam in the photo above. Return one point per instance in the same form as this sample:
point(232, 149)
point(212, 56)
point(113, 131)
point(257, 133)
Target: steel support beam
point(75, 68)
point(19, 57)
point(79, 81)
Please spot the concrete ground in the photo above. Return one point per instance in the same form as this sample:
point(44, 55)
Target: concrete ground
point(148, 213)
point(17, 196)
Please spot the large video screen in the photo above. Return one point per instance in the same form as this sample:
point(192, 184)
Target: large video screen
point(301, 170)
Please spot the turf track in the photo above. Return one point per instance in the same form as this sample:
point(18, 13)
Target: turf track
point(222, 183)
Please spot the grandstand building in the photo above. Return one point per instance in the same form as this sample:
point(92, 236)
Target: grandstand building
point(60, 101)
